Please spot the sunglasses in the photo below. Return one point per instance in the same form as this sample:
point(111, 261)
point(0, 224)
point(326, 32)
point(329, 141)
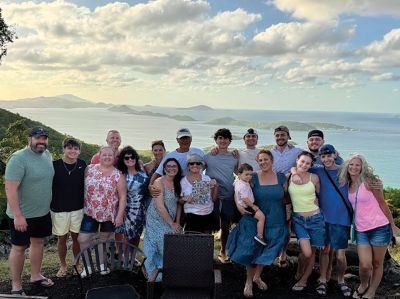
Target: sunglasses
point(195, 163)
point(127, 158)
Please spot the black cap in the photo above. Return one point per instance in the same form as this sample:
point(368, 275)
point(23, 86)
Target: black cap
point(316, 133)
point(326, 149)
point(250, 131)
point(38, 131)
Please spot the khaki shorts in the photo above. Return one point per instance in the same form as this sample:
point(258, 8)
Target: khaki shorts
point(65, 222)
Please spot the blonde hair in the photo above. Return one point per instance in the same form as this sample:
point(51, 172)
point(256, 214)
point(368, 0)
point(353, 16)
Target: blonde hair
point(366, 175)
point(106, 147)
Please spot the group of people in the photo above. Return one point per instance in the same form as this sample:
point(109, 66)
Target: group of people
point(314, 192)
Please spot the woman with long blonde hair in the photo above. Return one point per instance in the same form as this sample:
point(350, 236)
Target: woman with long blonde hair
point(373, 222)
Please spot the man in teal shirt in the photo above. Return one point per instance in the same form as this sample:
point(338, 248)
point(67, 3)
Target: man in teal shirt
point(28, 181)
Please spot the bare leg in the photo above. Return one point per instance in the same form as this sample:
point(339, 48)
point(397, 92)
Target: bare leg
point(378, 255)
point(257, 278)
point(282, 256)
point(248, 288)
point(224, 235)
point(309, 255)
point(16, 260)
point(260, 223)
point(324, 263)
point(341, 264)
point(365, 266)
point(75, 244)
point(36, 256)
point(62, 251)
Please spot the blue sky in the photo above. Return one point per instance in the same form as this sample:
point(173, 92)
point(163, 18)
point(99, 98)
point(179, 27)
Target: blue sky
point(273, 54)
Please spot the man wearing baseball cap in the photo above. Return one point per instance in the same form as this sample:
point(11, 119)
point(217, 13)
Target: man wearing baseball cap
point(28, 183)
point(248, 155)
point(315, 139)
point(184, 139)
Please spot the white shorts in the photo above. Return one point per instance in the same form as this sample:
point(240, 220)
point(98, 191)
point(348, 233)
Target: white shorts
point(65, 222)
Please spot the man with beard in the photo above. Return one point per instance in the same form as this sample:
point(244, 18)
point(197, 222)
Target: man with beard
point(284, 153)
point(28, 183)
point(114, 141)
point(315, 140)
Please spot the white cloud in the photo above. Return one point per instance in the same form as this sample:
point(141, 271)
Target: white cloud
point(386, 77)
point(326, 11)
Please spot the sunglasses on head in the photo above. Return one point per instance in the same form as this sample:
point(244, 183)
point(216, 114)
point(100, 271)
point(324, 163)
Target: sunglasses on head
point(195, 163)
point(127, 158)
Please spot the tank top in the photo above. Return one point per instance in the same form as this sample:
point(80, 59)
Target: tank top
point(369, 214)
point(303, 197)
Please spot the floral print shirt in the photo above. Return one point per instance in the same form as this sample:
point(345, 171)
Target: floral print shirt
point(101, 194)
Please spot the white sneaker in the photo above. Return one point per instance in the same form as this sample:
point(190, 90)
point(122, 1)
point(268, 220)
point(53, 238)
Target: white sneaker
point(104, 270)
point(84, 274)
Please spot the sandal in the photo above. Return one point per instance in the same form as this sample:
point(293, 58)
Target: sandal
point(223, 258)
point(248, 291)
point(20, 292)
point(322, 288)
point(62, 272)
point(345, 289)
point(298, 288)
point(260, 284)
point(357, 294)
point(44, 282)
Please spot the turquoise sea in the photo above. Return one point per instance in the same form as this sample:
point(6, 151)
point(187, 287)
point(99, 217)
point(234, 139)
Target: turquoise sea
point(377, 136)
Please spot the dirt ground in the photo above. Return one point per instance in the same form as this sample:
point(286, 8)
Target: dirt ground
point(279, 281)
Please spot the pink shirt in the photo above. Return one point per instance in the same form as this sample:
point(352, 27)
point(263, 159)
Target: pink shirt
point(369, 214)
point(243, 190)
point(101, 194)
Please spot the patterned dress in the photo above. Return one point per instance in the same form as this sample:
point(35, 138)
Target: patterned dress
point(135, 205)
point(156, 228)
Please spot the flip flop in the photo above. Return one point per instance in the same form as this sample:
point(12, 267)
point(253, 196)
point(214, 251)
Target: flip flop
point(44, 282)
point(20, 292)
point(62, 272)
point(223, 259)
point(345, 289)
point(358, 294)
point(298, 288)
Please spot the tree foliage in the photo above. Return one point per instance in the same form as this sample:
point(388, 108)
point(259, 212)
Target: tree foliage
point(7, 35)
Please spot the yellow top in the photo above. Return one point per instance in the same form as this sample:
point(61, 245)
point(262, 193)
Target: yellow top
point(303, 197)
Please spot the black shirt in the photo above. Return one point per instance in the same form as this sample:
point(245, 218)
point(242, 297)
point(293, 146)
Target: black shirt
point(68, 186)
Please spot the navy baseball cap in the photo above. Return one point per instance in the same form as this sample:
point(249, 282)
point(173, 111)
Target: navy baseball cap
point(327, 149)
point(37, 132)
point(316, 133)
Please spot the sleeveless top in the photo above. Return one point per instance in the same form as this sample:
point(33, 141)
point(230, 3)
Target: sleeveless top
point(303, 196)
point(369, 214)
point(101, 194)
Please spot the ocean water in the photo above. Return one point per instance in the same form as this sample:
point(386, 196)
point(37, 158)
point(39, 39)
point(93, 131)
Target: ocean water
point(375, 135)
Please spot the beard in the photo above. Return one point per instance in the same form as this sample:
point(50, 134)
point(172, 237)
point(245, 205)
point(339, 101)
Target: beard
point(39, 148)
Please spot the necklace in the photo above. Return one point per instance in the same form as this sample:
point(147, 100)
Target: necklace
point(73, 168)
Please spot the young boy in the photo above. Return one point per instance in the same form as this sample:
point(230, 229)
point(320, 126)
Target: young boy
point(243, 191)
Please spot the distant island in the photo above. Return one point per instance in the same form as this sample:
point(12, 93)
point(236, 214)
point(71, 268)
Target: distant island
point(293, 125)
point(198, 107)
point(129, 110)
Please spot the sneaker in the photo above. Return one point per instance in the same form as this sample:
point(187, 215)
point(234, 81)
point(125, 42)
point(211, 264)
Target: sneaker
point(260, 239)
point(103, 270)
point(85, 274)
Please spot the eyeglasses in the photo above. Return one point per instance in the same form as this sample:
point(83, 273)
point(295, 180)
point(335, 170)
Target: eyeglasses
point(127, 158)
point(171, 166)
point(195, 163)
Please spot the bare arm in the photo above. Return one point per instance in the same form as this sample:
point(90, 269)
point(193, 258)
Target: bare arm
point(154, 191)
point(122, 189)
point(13, 200)
point(214, 189)
point(161, 207)
point(378, 194)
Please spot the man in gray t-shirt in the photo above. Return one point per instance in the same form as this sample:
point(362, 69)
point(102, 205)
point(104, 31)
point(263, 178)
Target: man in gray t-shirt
point(28, 182)
point(221, 167)
point(249, 154)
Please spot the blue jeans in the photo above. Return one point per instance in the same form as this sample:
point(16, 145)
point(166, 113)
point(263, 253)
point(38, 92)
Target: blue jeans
point(90, 225)
point(379, 236)
point(337, 236)
point(311, 228)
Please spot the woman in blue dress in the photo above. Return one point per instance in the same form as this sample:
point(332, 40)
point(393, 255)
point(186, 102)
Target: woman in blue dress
point(137, 182)
point(268, 189)
point(163, 215)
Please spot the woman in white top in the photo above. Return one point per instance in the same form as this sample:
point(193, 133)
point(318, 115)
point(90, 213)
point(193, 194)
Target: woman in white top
point(199, 192)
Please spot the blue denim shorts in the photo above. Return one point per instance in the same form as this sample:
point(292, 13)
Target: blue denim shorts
point(337, 236)
point(90, 225)
point(380, 236)
point(311, 228)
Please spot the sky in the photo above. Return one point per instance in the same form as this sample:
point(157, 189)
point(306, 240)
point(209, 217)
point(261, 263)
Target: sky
point(313, 55)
